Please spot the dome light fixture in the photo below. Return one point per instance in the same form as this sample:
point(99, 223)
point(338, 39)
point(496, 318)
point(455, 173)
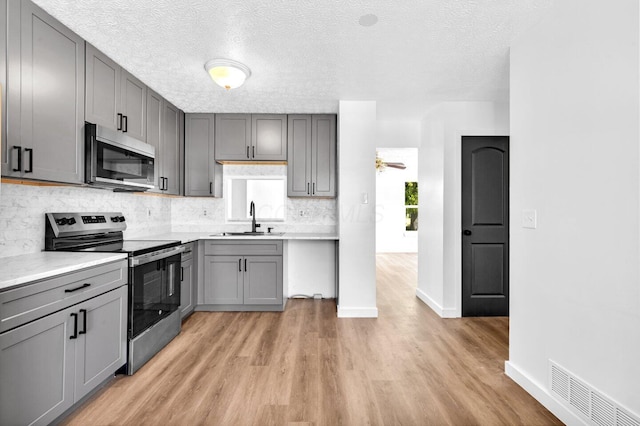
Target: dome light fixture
point(227, 73)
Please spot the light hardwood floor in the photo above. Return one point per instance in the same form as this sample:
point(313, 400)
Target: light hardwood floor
point(305, 366)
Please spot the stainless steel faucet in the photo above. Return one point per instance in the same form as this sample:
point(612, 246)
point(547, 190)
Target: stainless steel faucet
point(252, 212)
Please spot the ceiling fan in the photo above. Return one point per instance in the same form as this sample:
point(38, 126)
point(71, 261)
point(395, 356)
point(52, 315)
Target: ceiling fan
point(381, 164)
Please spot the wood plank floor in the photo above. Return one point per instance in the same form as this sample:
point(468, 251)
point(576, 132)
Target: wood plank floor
point(306, 367)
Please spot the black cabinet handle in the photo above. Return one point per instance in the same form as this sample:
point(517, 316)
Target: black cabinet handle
point(308, 193)
point(75, 326)
point(125, 121)
point(182, 273)
point(245, 265)
point(314, 189)
point(19, 149)
point(211, 188)
point(466, 232)
point(71, 290)
point(248, 152)
point(84, 321)
point(166, 184)
point(239, 265)
point(253, 152)
point(30, 151)
point(119, 121)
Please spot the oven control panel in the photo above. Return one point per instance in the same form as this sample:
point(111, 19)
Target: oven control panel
point(81, 223)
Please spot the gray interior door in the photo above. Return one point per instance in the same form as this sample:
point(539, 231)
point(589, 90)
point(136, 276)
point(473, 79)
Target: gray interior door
point(485, 225)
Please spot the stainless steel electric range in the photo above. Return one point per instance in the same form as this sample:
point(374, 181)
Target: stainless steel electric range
point(154, 276)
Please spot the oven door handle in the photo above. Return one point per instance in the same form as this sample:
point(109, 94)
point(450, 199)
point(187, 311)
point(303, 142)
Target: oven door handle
point(156, 255)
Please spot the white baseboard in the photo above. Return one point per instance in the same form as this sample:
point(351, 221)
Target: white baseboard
point(345, 312)
point(541, 394)
point(435, 307)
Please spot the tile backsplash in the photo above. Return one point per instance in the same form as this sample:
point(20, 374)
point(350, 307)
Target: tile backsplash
point(22, 209)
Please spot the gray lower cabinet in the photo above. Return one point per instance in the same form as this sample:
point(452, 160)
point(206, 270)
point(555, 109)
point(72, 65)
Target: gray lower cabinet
point(53, 362)
point(242, 275)
point(60, 338)
point(311, 165)
point(114, 98)
point(202, 174)
point(43, 95)
point(251, 137)
point(188, 280)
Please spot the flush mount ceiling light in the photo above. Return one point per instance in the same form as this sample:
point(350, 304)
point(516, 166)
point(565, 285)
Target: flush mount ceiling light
point(227, 73)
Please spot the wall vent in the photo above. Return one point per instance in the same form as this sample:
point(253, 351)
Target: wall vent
point(586, 401)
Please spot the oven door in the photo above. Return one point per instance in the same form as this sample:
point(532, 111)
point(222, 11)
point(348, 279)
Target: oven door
point(154, 292)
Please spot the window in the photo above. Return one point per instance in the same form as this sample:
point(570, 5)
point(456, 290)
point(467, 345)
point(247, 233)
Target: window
point(411, 205)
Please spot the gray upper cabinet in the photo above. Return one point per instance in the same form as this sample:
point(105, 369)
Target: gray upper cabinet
point(169, 156)
point(3, 85)
point(164, 131)
point(251, 137)
point(154, 128)
point(233, 137)
point(203, 176)
point(115, 98)
point(311, 166)
point(102, 101)
point(44, 96)
point(133, 105)
point(269, 137)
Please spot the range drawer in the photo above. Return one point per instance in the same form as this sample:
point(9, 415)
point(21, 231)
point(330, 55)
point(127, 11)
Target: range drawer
point(35, 300)
point(253, 247)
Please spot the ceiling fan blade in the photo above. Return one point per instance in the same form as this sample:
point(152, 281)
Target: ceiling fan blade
point(400, 166)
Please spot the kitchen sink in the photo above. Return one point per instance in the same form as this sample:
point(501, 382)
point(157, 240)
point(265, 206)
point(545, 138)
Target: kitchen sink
point(247, 234)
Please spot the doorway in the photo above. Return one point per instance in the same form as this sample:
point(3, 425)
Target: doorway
point(397, 215)
point(485, 225)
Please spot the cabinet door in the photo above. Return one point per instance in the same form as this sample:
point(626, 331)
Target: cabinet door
point(187, 295)
point(102, 100)
point(233, 137)
point(202, 176)
point(323, 166)
point(299, 156)
point(51, 94)
point(170, 149)
point(154, 130)
point(101, 347)
point(133, 105)
point(3, 87)
point(223, 280)
point(263, 280)
point(269, 137)
point(37, 367)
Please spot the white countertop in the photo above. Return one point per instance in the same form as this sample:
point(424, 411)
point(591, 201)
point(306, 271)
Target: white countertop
point(18, 270)
point(187, 237)
point(25, 268)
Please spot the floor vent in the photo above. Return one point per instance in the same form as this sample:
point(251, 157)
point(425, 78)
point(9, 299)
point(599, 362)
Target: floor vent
point(586, 401)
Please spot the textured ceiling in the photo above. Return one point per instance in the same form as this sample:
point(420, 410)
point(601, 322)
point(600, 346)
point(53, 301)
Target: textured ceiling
point(306, 56)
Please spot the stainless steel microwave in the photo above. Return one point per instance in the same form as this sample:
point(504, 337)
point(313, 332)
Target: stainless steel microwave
point(117, 161)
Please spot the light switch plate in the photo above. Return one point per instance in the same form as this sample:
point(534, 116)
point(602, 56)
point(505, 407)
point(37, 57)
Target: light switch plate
point(529, 219)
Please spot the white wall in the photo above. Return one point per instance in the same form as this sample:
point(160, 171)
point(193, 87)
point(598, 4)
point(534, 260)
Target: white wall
point(575, 288)
point(391, 233)
point(356, 180)
point(440, 192)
